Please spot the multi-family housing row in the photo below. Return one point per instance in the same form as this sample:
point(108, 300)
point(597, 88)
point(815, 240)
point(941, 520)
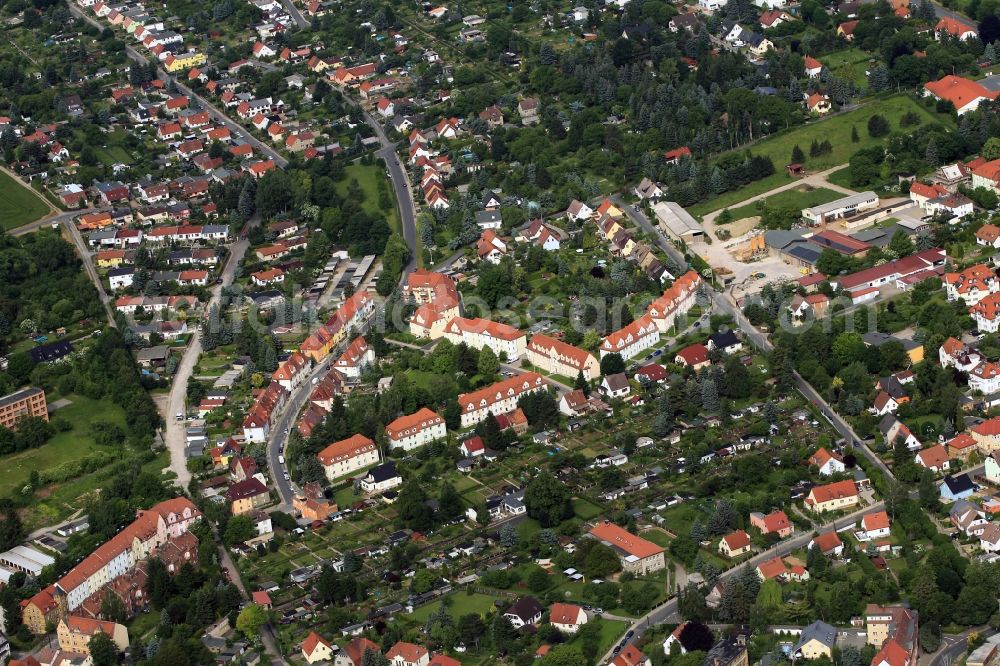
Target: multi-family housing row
point(662, 314)
point(83, 588)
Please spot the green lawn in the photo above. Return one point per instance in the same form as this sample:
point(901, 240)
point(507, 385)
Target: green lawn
point(611, 631)
point(836, 129)
point(585, 509)
point(461, 603)
point(799, 197)
point(368, 176)
point(849, 64)
point(18, 205)
point(64, 447)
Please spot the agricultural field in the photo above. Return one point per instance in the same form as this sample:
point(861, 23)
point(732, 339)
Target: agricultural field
point(18, 204)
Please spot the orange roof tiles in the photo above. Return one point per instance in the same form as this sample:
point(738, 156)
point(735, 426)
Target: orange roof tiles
point(345, 449)
point(958, 91)
point(737, 540)
point(625, 540)
point(413, 423)
point(489, 395)
point(832, 491)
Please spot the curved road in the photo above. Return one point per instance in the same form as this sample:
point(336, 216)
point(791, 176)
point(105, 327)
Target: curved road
point(401, 187)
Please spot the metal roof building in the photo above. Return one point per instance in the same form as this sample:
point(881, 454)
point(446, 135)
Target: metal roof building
point(676, 221)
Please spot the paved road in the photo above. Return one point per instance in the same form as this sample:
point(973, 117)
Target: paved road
point(667, 611)
point(175, 436)
point(278, 441)
point(294, 12)
point(88, 265)
point(949, 13)
point(213, 111)
point(267, 631)
point(953, 647)
point(724, 304)
point(401, 187)
point(49, 220)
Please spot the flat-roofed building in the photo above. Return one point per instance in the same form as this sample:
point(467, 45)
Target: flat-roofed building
point(845, 207)
point(28, 560)
point(20, 404)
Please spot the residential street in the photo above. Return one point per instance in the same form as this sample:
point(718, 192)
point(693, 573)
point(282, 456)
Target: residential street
point(216, 114)
point(725, 305)
point(667, 611)
point(175, 435)
point(401, 187)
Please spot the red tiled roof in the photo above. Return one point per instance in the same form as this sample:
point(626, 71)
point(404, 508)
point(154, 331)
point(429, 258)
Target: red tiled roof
point(412, 423)
point(345, 449)
point(624, 540)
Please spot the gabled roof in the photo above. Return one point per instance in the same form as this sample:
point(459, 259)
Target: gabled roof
point(737, 540)
point(313, 640)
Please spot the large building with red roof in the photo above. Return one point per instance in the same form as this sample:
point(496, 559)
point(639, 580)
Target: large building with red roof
point(95, 575)
point(637, 555)
point(413, 430)
point(498, 398)
point(964, 94)
point(347, 456)
point(505, 340)
point(632, 339)
point(553, 355)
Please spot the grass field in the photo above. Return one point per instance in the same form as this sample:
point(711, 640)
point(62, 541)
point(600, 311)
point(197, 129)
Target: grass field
point(18, 205)
point(461, 603)
point(585, 509)
point(64, 446)
point(849, 64)
point(368, 177)
point(836, 129)
point(800, 197)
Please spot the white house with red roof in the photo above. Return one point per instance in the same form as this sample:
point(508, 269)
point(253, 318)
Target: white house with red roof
point(972, 284)
point(408, 654)
point(828, 463)
point(553, 355)
point(952, 27)
point(505, 340)
point(964, 94)
point(987, 174)
point(637, 555)
point(355, 358)
point(935, 458)
point(472, 447)
point(986, 313)
point(567, 618)
point(829, 543)
point(813, 67)
point(874, 526)
point(315, 649)
point(694, 356)
point(413, 430)
point(498, 398)
point(735, 544)
point(347, 456)
point(632, 339)
point(988, 235)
